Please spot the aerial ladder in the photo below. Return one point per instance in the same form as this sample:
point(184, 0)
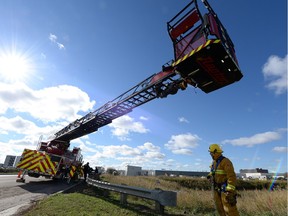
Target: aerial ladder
point(204, 57)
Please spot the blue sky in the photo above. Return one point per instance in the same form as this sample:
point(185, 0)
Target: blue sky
point(60, 60)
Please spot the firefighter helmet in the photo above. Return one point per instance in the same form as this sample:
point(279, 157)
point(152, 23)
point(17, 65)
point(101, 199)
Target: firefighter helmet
point(215, 148)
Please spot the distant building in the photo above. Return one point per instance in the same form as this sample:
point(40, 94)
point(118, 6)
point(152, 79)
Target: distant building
point(258, 173)
point(257, 170)
point(9, 161)
point(177, 173)
point(133, 170)
point(137, 171)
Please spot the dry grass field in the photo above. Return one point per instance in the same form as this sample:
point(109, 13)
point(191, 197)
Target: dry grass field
point(200, 202)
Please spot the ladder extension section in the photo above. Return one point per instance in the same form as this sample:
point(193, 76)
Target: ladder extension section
point(145, 91)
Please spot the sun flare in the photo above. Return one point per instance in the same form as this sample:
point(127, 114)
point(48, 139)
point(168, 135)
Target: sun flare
point(14, 66)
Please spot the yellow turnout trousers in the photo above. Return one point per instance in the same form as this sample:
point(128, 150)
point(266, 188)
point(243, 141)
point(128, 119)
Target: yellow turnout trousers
point(222, 206)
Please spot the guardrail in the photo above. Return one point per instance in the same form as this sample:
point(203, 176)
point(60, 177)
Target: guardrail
point(162, 198)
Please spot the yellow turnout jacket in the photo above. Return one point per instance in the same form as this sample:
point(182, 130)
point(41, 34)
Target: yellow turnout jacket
point(223, 173)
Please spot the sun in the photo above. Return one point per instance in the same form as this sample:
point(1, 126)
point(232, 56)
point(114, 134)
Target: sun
point(14, 66)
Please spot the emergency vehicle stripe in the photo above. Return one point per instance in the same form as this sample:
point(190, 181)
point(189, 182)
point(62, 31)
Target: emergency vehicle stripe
point(43, 166)
point(26, 158)
point(72, 171)
point(191, 53)
point(37, 161)
point(194, 51)
point(30, 162)
point(35, 164)
point(29, 157)
point(46, 164)
point(184, 57)
point(179, 60)
point(54, 166)
point(199, 48)
point(207, 43)
point(28, 153)
point(51, 166)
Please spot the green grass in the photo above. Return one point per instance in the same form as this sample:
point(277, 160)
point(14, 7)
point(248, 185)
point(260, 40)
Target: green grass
point(79, 205)
point(89, 201)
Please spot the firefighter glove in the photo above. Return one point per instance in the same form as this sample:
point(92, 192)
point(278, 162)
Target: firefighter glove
point(231, 198)
point(210, 178)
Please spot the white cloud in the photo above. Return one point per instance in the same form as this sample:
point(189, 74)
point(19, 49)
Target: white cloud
point(48, 104)
point(53, 39)
point(60, 46)
point(182, 143)
point(154, 155)
point(143, 118)
point(24, 127)
point(183, 120)
point(147, 154)
point(123, 150)
point(275, 71)
point(280, 149)
point(170, 161)
point(149, 147)
point(257, 139)
point(123, 126)
point(182, 151)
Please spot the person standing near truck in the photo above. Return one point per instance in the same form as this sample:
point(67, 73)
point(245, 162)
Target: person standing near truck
point(223, 179)
point(86, 170)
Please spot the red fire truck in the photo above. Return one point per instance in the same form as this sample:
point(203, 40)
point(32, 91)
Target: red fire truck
point(204, 57)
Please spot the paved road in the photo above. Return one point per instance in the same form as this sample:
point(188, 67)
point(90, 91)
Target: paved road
point(15, 196)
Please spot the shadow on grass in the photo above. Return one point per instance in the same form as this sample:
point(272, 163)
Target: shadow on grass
point(140, 206)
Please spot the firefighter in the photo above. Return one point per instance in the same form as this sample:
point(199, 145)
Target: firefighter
point(86, 170)
point(223, 179)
